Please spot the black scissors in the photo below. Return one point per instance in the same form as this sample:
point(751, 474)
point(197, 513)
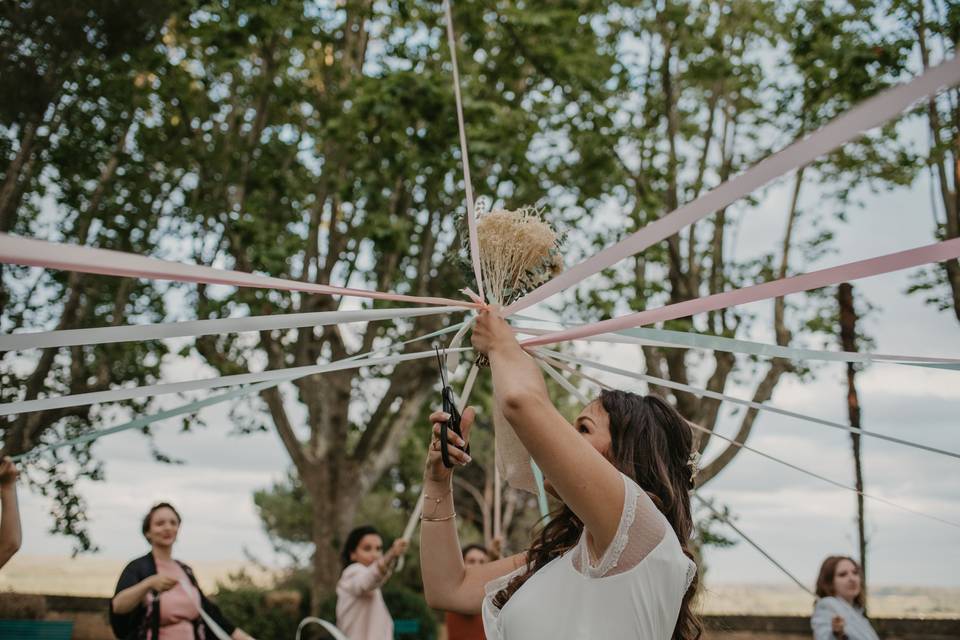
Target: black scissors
point(450, 408)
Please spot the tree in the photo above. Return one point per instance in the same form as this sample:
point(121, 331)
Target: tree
point(936, 28)
point(321, 146)
point(848, 340)
point(705, 90)
point(72, 174)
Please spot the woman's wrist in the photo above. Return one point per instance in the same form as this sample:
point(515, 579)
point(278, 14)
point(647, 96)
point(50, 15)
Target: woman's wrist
point(437, 501)
point(437, 487)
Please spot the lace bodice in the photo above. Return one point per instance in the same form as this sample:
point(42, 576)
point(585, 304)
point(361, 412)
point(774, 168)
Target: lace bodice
point(633, 590)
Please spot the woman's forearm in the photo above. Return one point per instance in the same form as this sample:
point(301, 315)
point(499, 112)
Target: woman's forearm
point(128, 599)
point(516, 378)
point(440, 559)
point(584, 479)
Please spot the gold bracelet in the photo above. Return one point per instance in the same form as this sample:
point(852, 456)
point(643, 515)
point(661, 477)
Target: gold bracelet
point(436, 501)
point(443, 519)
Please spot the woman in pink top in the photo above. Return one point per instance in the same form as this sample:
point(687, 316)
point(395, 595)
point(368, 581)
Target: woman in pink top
point(157, 597)
point(361, 612)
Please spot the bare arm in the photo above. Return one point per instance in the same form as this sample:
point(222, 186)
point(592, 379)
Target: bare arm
point(586, 481)
point(447, 584)
point(11, 536)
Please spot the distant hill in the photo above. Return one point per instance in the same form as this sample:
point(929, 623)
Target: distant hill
point(93, 576)
point(883, 601)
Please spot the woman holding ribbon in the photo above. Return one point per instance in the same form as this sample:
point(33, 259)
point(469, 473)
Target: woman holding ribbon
point(613, 561)
point(10, 534)
point(839, 612)
point(158, 598)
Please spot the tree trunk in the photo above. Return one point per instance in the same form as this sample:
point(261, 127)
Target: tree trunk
point(334, 507)
point(11, 179)
point(848, 341)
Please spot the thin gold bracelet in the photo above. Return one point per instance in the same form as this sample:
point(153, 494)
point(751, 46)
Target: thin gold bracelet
point(443, 519)
point(436, 501)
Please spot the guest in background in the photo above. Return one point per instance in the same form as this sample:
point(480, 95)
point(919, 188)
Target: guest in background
point(839, 611)
point(462, 626)
point(10, 535)
point(158, 598)
point(361, 611)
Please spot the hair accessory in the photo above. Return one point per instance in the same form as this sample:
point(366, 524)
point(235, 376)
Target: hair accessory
point(693, 462)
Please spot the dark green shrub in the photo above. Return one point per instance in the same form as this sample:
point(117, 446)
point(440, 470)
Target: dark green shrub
point(249, 608)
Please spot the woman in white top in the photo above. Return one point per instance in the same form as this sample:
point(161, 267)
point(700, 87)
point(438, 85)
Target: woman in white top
point(839, 612)
point(612, 563)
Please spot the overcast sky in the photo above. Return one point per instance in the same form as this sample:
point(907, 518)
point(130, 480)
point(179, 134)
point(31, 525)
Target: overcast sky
point(798, 519)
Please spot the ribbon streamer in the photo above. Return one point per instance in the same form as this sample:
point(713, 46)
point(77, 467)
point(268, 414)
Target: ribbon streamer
point(51, 255)
point(937, 252)
point(129, 333)
point(798, 468)
point(147, 420)
point(722, 518)
point(330, 628)
point(116, 395)
point(193, 407)
point(718, 343)
point(867, 115)
point(686, 339)
point(465, 157)
point(661, 382)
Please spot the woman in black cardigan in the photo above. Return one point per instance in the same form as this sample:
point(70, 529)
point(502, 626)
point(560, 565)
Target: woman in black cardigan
point(158, 597)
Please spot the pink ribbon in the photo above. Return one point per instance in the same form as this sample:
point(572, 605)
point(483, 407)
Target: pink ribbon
point(865, 116)
point(49, 255)
point(946, 250)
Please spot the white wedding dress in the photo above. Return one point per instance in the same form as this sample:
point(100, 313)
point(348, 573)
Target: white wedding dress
point(633, 592)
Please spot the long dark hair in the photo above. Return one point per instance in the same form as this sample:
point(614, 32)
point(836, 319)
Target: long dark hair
point(353, 541)
point(650, 443)
point(828, 573)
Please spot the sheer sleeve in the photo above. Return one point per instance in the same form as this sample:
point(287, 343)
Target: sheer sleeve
point(641, 529)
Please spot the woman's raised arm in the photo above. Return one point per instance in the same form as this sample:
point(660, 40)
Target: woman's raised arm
point(447, 583)
point(585, 480)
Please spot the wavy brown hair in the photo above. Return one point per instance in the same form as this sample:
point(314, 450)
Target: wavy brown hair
point(828, 573)
point(650, 443)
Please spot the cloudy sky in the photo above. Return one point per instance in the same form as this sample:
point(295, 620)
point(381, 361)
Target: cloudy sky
point(798, 519)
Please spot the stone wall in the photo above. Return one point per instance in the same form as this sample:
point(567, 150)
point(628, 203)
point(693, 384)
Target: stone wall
point(89, 616)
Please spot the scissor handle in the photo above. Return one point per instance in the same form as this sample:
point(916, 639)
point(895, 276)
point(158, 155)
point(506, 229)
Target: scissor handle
point(453, 424)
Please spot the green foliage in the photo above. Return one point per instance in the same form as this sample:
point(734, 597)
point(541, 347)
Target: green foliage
point(318, 142)
point(248, 608)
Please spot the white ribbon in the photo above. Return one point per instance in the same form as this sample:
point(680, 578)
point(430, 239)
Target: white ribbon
point(207, 620)
point(722, 518)
point(784, 462)
point(746, 403)
point(332, 630)
point(689, 340)
point(116, 395)
point(468, 187)
point(129, 333)
point(193, 407)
